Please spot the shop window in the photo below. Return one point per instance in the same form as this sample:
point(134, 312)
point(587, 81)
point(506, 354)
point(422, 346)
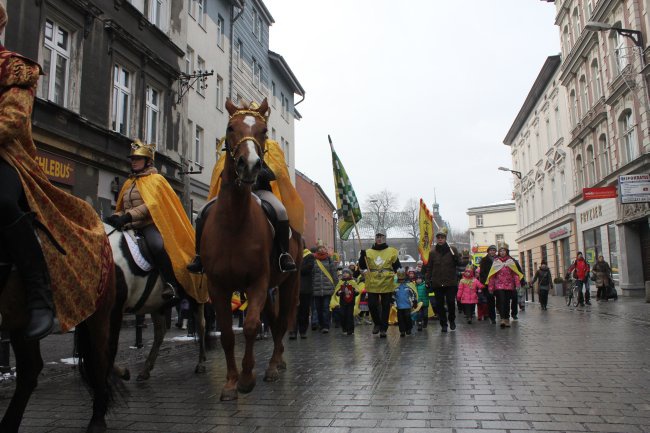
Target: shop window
point(592, 244)
point(613, 251)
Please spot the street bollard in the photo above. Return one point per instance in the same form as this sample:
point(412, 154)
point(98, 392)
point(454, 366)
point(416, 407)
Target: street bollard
point(5, 352)
point(139, 324)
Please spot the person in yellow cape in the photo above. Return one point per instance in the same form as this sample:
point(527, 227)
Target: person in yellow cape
point(149, 205)
point(68, 270)
point(274, 187)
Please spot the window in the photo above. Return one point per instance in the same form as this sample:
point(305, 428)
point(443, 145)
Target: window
point(190, 7)
point(152, 115)
point(200, 64)
point(544, 253)
point(56, 63)
point(576, 25)
point(593, 245)
point(499, 240)
point(479, 220)
point(563, 192)
point(257, 25)
point(590, 8)
point(237, 54)
point(584, 97)
point(629, 138)
point(566, 43)
point(603, 156)
point(198, 145)
point(580, 171)
point(597, 80)
point(547, 126)
point(538, 145)
point(273, 93)
point(220, 90)
point(613, 251)
point(221, 24)
point(189, 61)
point(591, 165)
point(574, 108)
point(257, 74)
point(620, 51)
point(287, 108)
point(121, 100)
point(554, 192)
point(558, 123)
point(272, 133)
point(284, 106)
point(155, 12)
point(200, 12)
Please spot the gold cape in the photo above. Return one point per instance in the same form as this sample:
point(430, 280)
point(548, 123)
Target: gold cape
point(174, 226)
point(78, 278)
point(281, 186)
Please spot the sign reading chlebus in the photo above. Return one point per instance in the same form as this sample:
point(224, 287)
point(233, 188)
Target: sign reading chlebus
point(56, 168)
point(635, 188)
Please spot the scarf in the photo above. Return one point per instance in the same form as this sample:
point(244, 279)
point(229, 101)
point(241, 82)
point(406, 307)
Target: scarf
point(321, 256)
point(502, 262)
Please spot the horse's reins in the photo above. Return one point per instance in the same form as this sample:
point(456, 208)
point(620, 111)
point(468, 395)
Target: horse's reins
point(232, 150)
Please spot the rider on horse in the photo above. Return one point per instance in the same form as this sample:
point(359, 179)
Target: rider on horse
point(75, 236)
point(273, 181)
point(149, 205)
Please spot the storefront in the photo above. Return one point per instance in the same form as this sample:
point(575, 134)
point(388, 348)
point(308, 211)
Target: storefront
point(633, 227)
point(560, 248)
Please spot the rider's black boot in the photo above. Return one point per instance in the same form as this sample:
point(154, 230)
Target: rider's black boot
point(196, 266)
point(286, 261)
point(27, 255)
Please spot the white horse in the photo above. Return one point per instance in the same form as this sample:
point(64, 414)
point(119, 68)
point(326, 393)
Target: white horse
point(144, 289)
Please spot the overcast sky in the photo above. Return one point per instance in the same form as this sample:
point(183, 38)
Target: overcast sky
point(416, 97)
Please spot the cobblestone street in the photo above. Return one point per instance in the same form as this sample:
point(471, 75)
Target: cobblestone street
point(561, 370)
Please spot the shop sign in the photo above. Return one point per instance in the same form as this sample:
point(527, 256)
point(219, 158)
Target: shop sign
point(591, 214)
point(560, 232)
point(595, 193)
point(56, 168)
point(635, 188)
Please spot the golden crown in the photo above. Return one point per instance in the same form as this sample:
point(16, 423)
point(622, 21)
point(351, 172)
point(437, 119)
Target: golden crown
point(139, 148)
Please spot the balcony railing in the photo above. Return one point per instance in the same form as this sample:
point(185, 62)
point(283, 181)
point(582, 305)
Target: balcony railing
point(547, 219)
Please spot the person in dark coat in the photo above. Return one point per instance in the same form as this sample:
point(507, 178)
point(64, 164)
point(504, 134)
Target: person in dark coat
point(442, 279)
point(485, 265)
point(324, 279)
point(306, 293)
point(543, 276)
point(603, 278)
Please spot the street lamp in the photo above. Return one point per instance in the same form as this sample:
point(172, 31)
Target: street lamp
point(635, 35)
point(515, 172)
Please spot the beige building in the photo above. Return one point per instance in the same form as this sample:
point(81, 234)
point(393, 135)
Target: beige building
point(543, 170)
point(604, 73)
point(494, 224)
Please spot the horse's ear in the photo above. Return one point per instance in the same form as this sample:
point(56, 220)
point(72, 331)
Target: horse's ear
point(264, 108)
point(230, 106)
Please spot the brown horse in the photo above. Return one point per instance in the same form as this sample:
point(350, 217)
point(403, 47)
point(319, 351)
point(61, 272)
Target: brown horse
point(237, 250)
point(96, 344)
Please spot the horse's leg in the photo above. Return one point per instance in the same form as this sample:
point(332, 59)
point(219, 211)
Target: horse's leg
point(256, 299)
point(221, 302)
point(199, 319)
point(28, 366)
point(159, 330)
point(121, 293)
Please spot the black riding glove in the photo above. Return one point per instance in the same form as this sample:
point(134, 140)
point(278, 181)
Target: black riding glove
point(118, 221)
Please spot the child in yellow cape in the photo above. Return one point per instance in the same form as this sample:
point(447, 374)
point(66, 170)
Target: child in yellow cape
point(149, 205)
point(273, 186)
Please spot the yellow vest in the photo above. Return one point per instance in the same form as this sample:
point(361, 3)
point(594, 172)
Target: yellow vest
point(379, 279)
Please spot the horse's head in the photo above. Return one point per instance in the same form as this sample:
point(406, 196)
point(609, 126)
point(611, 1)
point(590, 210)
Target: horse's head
point(245, 138)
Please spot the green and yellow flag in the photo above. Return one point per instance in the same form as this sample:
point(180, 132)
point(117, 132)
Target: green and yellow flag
point(347, 204)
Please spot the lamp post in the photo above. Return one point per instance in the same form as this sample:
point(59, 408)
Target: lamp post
point(515, 172)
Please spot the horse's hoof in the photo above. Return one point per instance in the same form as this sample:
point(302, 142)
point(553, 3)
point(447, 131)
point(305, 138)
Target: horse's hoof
point(143, 376)
point(200, 369)
point(126, 375)
point(282, 365)
point(245, 388)
point(96, 427)
point(271, 375)
point(228, 395)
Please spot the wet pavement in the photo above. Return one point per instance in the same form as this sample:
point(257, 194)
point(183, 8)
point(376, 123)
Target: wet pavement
point(562, 370)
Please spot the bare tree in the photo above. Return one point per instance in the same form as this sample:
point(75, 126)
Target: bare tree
point(379, 213)
point(411, 219)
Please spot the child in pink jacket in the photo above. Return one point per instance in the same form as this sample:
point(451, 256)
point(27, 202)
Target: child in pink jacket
point(468, 292)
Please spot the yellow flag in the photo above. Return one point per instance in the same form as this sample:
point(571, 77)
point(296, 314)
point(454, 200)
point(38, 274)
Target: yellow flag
point(426, 232)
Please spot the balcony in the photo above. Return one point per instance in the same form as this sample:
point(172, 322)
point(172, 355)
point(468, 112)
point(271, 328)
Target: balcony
point(546, 221)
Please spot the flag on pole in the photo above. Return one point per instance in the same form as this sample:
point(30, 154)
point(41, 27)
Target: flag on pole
point(426, 232)
point(347, 204)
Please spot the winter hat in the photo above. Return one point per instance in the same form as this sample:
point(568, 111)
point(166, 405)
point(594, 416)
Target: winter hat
point(492, 247)
point(346, 272)
point(401, 275)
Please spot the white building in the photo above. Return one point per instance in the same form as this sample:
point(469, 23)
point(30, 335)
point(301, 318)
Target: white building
point(494, 224)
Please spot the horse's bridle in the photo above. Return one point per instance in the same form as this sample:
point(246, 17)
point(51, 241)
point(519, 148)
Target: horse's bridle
point(232, 150)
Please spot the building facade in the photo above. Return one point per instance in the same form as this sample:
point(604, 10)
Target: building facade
point(494, 224)
point(604, 73)
point(544, 175)
point(319, 214)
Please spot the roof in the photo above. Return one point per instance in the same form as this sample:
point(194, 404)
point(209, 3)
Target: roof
point(501, 206)
point(551, 65)
point(264, 10)
point(278, 61)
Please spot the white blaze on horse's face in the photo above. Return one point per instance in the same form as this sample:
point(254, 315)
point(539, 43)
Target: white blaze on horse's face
point(253, 157)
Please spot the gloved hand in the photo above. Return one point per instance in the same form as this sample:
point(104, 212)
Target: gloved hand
point(118, 221)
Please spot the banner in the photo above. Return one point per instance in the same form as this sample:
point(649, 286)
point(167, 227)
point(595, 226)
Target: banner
point(426, 232)
point(347, 204)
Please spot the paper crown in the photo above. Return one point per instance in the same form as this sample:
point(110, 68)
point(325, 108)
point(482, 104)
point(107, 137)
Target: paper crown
point(138, 148)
